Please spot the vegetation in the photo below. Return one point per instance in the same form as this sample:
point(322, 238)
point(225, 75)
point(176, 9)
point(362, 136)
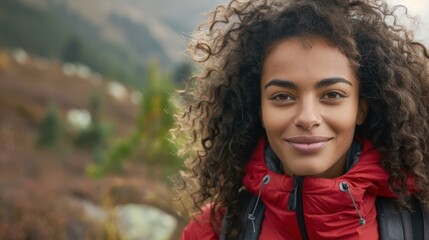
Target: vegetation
point(36, 187)
point(45, 192)
point(150, 135)
point(31, 29)
point(95, 136)
point(50, 128)
point(44, 34)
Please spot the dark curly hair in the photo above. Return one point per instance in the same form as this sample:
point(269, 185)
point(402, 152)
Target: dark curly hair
point(219, 111)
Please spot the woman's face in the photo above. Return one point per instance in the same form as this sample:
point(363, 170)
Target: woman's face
point(310, 106)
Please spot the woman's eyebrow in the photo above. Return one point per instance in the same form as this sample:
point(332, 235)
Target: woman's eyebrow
point(331, 81)
point(322, 83)
point(281, 83)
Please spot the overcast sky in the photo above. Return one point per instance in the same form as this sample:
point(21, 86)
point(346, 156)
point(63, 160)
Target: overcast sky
point(419, 8)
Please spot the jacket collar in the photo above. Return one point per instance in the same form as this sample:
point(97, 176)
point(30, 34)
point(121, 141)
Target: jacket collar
point(256, 169)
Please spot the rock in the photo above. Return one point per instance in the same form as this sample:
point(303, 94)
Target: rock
point(134, 221)
point(139, 222)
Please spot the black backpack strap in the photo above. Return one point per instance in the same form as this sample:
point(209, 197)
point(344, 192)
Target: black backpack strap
point(399, 224)
point(251, 217)
point(416, 220)
point(419, 221)
point(425, 214)
point(389, 220)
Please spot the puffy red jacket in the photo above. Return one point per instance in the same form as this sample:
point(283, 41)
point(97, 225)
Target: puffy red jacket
point(328, 210)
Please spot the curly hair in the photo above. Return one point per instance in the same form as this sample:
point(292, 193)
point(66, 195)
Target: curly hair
point(219, 121)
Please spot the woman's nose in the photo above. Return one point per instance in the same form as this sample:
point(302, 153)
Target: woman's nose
point(307, 115)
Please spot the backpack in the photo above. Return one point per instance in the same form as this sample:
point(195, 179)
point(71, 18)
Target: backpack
point(393, 223)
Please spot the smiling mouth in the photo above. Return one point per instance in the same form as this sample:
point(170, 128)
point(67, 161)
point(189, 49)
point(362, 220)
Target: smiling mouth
point(308, 144)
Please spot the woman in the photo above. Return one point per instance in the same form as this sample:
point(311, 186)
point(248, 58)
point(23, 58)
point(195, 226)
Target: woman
point(335, 91)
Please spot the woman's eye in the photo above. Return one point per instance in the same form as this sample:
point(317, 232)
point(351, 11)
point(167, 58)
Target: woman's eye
point(332, 95)
point(282, 97)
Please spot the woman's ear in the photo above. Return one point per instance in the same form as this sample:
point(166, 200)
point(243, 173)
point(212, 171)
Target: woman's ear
point(362, 112)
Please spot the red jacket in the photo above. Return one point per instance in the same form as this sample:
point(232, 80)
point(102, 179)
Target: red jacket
point(329, 212)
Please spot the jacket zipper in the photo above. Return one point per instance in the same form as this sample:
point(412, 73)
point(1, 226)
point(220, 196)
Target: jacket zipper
point(296, 204)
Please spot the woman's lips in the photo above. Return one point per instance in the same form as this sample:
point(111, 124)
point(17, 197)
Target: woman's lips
point(308, 144)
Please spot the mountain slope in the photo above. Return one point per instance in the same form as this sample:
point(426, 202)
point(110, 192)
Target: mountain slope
point(164, 21)
point(115, 38)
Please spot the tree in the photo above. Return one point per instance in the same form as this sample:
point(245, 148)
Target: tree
point(150, 136)
point(95, 136)
point(49, 128)
point(73, 50)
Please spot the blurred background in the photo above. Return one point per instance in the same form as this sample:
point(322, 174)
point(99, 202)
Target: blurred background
point(84, 115)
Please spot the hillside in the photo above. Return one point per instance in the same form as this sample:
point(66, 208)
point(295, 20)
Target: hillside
point(38, 186)
point(115, 38)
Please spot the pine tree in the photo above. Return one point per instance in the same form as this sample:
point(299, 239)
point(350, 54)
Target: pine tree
point(49, 128)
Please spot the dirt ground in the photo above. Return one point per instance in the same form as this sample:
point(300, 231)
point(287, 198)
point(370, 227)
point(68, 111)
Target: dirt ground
point(35, 183)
